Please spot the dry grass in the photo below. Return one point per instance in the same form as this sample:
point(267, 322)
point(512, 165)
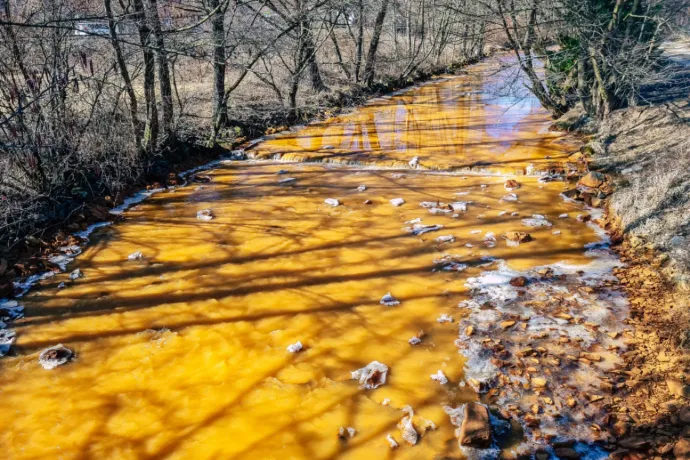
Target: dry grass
point(649, 149)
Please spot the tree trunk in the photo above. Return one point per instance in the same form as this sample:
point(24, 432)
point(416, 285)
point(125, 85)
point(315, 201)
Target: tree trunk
point(338, 53)
point(150, 138)
point(124, 73)
point(163, 70)
point(309, 49)
point(373, 46)
point(360, 41)
point(220, 106)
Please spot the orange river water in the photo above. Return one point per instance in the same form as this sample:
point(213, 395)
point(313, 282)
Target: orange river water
point(182, 354)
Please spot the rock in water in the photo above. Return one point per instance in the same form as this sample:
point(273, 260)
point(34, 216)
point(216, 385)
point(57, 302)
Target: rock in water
point(475, 430)
point(439, 377)
point(511, 185)
point(7, 338)
point(445, 239)
point(204, 214)
point(391, 442)
point(332, 202)
point(346, 433)
point(519, 281)
point(11, 311)
point(135, 256)
point(592, 180)
point(373, 375)
point(52, 357)
point(419, 229)
point(389, 301)
point(407, 431)
point(397, 202)
point(295, 347)
point(515, 238)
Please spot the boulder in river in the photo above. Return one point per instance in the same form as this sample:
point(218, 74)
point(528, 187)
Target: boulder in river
point(475, 430)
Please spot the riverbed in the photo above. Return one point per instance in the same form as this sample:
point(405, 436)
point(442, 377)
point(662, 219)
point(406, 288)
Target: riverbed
point(183, 351)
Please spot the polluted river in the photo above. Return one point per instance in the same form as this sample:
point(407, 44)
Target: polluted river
point(356, 288)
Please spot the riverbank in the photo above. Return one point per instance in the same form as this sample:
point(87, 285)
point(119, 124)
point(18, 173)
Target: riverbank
point(645, 151)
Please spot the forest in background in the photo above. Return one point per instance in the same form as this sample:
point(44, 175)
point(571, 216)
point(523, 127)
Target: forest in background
point(99, 95)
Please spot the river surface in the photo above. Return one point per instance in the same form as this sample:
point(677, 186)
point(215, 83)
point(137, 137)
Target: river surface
point(182, 353)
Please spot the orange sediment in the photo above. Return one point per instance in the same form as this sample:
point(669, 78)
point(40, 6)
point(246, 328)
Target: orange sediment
point(182, 354)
